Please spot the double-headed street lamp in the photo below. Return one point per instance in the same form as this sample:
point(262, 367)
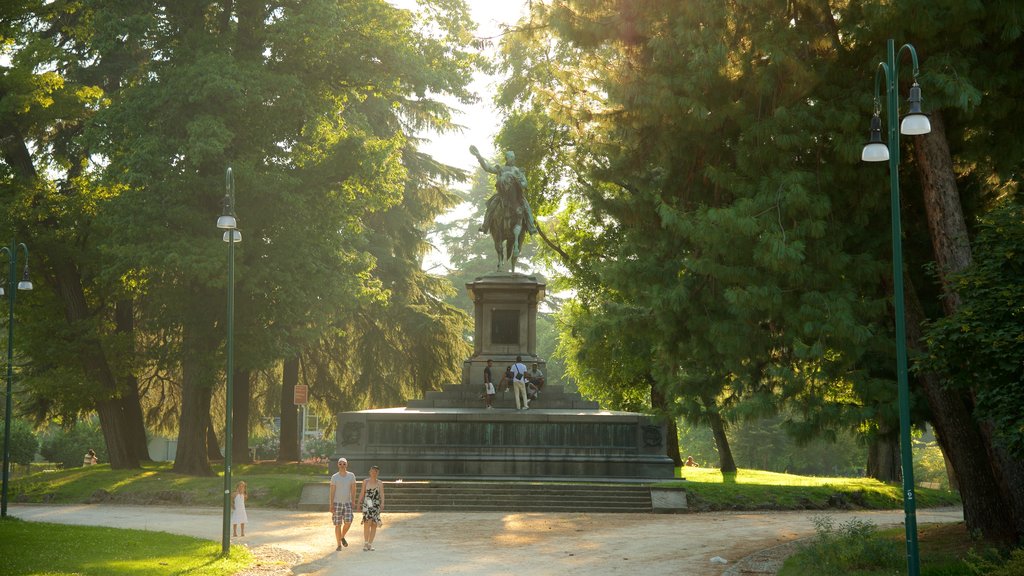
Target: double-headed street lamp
point(11, 291)
point(914, 124)
point(232, 235)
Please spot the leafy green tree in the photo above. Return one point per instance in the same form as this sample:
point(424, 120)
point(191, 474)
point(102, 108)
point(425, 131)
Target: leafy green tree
point(67, 445)
point(979, 347)
point(701, 159)
point(24, 444)
point(311, 105)
point(50, 85)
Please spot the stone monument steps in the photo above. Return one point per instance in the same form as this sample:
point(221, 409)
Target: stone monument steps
point(462, 396)
point(502, 496)
point(512, 497)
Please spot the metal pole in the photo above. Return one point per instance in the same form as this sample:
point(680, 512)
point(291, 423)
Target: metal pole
point(12, 256)
point(226, 536)
point(907, 457)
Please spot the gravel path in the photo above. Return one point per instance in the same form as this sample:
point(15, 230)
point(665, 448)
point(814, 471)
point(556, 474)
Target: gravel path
point(472, 544)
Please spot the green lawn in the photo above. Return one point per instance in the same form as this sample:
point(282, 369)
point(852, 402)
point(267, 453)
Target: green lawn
point(710, 489)
point(943, 550)
point(43, 549)
point(89, 550)
point(271, 485)
point(274, 485)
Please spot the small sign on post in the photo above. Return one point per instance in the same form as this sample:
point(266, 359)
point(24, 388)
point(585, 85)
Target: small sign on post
point(301, 394)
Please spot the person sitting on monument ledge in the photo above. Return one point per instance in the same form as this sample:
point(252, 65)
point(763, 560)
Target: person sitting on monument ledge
point(536, 378)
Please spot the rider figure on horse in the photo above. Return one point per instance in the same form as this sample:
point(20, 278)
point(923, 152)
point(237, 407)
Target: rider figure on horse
point(508, 175)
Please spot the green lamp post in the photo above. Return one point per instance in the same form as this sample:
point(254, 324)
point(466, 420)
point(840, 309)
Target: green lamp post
point(914, 123)
point(232, 235)
point(11, 292)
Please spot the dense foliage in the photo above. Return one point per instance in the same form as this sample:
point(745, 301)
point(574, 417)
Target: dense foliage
point(118, 123)
point(981, 345)
point(729, 254)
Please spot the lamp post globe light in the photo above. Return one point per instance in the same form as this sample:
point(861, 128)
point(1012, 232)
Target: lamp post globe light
point(229, 223)
point(915, 123)
point(11, 292)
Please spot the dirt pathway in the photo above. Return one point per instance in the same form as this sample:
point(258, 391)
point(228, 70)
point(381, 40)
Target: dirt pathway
point(480, 543)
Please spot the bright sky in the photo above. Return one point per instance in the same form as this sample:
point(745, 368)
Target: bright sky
point(480, 120)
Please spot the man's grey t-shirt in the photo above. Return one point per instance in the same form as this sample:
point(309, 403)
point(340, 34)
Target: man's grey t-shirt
point(343, 486)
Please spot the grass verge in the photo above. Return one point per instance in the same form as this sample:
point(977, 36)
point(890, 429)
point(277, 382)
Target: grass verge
point(88, 550)
point(710, 489)
point(856, 548)
point(271, 485)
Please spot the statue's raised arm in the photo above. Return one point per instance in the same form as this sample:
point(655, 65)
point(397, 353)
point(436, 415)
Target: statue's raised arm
point(492, 168)
point(508, 216)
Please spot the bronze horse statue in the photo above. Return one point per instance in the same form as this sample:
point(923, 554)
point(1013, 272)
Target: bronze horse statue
point(508, 216)
point(508, 225)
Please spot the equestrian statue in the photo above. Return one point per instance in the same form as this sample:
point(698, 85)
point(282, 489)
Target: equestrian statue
point(508, 217)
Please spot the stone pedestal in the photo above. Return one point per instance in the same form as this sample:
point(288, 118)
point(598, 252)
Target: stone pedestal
point(413, 443)
point(449, 434)
point(505, 315)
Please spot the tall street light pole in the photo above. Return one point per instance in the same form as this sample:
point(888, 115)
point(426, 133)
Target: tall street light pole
point(232, 235)
point(11, 291)
point(914, 124)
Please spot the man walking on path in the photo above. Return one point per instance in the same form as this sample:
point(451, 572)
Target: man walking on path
point(343, 494)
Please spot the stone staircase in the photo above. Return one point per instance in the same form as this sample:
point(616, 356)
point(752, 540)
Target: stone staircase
point(468, 396)
point(513, 496)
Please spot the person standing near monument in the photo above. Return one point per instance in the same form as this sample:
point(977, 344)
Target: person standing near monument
point(489, 391)
point(519, 374)
point(343, 495)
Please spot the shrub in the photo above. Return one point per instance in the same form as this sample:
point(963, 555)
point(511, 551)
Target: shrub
point(24, 443)
point(266, 446)
point(314, 447)
point(68, 445)
point(852, 545)
point(986, 566)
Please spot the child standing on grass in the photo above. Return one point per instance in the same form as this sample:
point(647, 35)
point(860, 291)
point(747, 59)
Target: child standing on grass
point(238, 515)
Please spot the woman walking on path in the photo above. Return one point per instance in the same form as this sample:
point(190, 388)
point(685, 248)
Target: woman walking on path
point(372, 500)
point(238, 515)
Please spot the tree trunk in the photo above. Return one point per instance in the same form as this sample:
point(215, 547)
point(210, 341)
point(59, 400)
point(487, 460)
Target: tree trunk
point(131, 407)
point(997, 508)
point(115, 429)
point(70, 291)
point(725, 459)
point(131, 404)
point(194, 421)
point(660, 405)
point(947, 227)
point(212, 442)
point(985, 508)
point(240, 418)
point(289, 445)
point(954, 484)
point(884, 458)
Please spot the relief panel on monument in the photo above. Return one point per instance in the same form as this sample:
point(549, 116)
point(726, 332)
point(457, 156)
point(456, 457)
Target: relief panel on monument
point(505, 326)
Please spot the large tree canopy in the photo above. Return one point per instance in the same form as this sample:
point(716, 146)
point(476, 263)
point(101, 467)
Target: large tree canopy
point(119, 120)
point(701, 162)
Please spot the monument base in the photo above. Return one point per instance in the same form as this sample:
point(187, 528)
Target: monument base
point(413, 443)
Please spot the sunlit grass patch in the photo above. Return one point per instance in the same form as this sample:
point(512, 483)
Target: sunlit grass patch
point(711, 489)
point(56, 549)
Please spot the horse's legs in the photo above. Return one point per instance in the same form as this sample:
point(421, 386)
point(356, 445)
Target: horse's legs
point(515, 239)
point(497, 248)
